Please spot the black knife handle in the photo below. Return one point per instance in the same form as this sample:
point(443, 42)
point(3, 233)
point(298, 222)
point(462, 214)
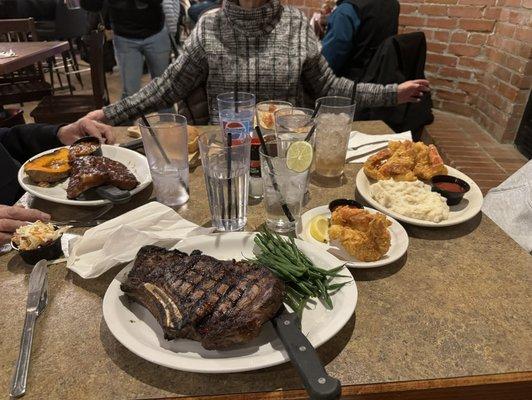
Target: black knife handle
point(113, 194)
point(319, 385)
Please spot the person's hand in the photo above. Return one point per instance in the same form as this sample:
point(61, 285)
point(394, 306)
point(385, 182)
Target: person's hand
point(12, 217)
point(412, 91)
point(85, 126)
point(97, 115)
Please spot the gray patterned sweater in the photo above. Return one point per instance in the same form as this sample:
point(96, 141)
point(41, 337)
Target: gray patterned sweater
point(270, 51)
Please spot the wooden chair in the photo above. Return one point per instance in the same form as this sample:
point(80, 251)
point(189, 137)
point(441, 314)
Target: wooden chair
point(69, 108)
point(26, 84)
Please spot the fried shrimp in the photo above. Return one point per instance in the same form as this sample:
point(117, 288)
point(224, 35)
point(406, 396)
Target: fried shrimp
point(405, 161)
point(362, 234)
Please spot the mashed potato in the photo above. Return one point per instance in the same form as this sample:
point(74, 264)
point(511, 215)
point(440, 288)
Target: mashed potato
point(411, 199)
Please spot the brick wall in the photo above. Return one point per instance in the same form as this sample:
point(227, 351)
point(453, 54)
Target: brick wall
point(479, 56)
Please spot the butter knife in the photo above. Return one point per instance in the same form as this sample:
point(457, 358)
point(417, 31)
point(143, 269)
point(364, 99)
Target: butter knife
point(319, 384)
point(37, 300)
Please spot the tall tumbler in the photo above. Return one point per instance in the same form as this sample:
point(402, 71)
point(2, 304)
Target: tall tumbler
point(166, 146)
point(333, 127)
point(226, 170)
point(236, 110)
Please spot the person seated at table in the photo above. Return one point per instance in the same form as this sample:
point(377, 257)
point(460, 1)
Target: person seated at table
point(355, 29)
point(257, 46)
point(21, 142)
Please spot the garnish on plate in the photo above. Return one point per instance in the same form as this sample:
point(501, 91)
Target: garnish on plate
point(37, 234)
point(302, 278)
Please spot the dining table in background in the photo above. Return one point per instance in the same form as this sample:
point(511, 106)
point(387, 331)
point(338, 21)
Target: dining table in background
point(28, 53)
point(451, 319)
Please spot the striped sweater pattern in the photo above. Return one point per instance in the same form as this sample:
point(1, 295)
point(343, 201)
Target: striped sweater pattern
point(270, 51)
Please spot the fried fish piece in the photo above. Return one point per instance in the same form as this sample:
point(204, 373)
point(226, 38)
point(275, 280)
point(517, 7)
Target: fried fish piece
point(363, 235)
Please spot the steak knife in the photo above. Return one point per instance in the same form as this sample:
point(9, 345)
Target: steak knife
point(37, 300)
point(319, 385)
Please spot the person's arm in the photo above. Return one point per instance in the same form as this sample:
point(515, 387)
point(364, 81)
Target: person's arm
point(24, 141)
point(171, 15)
point(341, 32)
point(185, 74)
point(92, 5)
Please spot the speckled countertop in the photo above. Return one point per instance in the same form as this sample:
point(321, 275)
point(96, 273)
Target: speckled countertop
point(458, 304)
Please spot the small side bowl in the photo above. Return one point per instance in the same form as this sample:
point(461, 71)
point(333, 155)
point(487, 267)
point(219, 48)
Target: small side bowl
point(50, 251)
point(344, 202)
point(89, 139)
point(453, 198)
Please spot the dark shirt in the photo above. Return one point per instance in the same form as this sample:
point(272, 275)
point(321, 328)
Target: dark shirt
point(134, 19)
point(39, 10)
point(17, 145)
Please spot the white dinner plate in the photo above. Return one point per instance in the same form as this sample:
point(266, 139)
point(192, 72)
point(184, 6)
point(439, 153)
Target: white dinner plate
point(135, 162)
point(398, 247)
point(464, 211)
point(134, 326)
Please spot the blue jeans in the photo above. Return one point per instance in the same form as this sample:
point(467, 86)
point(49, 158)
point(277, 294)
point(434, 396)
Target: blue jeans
point(130, 54)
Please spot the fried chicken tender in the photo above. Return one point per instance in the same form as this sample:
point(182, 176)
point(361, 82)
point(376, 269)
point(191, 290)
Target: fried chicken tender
point(405, 161)
point(363, 235)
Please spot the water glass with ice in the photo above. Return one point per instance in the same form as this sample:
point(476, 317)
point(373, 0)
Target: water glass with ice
point(170, 179)
point(226, 170)
point(293, 123)
point(333, 127)
point(283, 187)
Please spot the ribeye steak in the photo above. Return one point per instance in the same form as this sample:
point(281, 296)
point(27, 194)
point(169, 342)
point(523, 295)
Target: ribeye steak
point(218, 303)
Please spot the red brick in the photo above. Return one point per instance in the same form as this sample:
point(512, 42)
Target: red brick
point(436, 47)
point(437, 82)
point(408, 8)
point(477, 2)
point(508, 91)
point(492, 13)
point(517, 64)
point(452, 96)
point(507, 30)
point(464, 50)
point(502, 73)
point(457, 108)
point(442, 36)
point(441, 59)
point(526, 50)
point(477, 38)
point(472, 63)
point(469, 87)
point(440, 1)
point(524, 34)
point(496, 55)
point(476, 25)
point(455, 73)
point(465, 11)
point(519, 17)
point(510, 3)
point(432, 9)
point(446, 23)
point(410, 20)
point(527, 3)
point(459, 37)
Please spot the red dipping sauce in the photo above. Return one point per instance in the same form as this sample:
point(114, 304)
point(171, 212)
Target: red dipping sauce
point(449, 187)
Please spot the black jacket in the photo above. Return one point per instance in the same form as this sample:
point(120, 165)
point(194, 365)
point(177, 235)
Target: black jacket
point(400, 58)
point(379, 20)
point(17, 145)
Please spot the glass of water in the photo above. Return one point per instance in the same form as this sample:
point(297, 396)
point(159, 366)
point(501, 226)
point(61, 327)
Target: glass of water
point(333, 127)
point(166, 146)
point(293, 123)
point(284, 189)
point(236, 110)
point(266, 114)
point(226, 170)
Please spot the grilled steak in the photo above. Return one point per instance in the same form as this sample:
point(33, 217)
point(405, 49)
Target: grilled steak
point(218, 303)
point(91, 171)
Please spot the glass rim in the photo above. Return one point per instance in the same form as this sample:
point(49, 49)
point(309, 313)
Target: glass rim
point(295, 108)
point(243, 97)
point(282, 102)
point(352, 103)
point(141, 123)
point(219, 143)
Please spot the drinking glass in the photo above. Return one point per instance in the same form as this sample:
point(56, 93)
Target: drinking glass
point(72, 4)
point(333, 127)
point(293, 123)
point(169, 171)
point(265, 114)
point(284, 189)
point(226, 170)
point(236, 113)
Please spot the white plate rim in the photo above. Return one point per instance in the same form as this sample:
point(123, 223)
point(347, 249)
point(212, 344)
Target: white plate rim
point(30, 188)
point(235, 364)
point(363, 182)
point(396, 227)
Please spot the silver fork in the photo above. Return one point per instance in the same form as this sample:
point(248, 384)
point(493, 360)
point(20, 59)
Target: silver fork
point(85, 222)
point(367, 144)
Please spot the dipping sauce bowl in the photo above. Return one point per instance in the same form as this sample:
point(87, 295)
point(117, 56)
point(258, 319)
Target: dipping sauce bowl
point(450, 187)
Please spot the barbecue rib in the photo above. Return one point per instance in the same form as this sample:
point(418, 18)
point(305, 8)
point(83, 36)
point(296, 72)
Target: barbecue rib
point(218, 303)
point(91, 171)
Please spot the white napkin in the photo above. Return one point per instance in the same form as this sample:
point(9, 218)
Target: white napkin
point(358, 138)
point(118, 240)
point(7, 54)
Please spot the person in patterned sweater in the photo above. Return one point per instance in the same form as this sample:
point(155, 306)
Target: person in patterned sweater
point(257, 46)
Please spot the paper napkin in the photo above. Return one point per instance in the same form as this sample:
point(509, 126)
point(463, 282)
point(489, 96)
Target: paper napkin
point(7, 54)
point(118, 240)
point(361, 154)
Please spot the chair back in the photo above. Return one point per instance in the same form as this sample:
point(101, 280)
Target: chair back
point(96, 41)
point(18, 30)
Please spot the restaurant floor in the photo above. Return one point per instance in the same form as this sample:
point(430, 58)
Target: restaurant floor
point(461, 141)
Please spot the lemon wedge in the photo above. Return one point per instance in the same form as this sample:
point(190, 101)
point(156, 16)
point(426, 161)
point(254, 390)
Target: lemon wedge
point(299, 156)
point(319, 228)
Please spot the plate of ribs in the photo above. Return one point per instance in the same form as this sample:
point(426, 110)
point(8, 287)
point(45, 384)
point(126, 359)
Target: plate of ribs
point(68, 176)
point(203, 307)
